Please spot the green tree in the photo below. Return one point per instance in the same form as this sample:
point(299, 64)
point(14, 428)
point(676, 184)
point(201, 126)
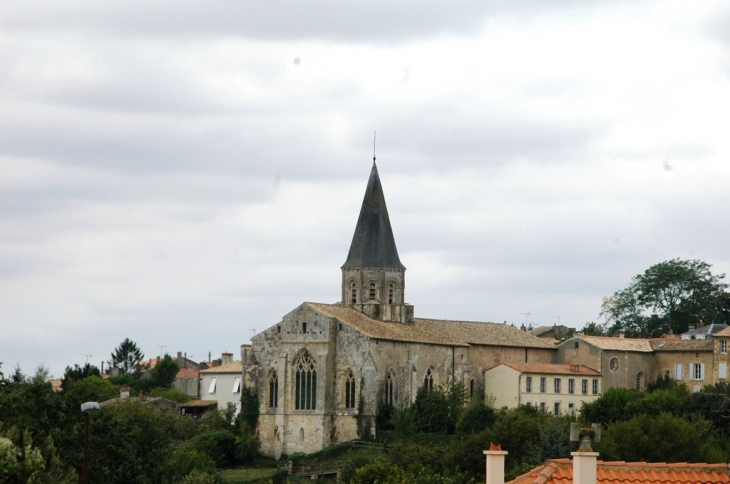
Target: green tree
point(553, 443)
point(671, 296)
point(594, 329)
point(78, 373)
point(126, 357)
point(439, 409)
point(477, 417)
point(610, 407)
point(249, 407)
point(163, 374)
point(22, 462)
point(664, 438)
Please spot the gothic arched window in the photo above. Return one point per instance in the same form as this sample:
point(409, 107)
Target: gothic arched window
point(353, 293)
point(273, 390)
point(471, 387)
point(428, 380)
point(372, 290)
point(391, 292)
point(389, 389)
point(305, 383)
point(350, 391)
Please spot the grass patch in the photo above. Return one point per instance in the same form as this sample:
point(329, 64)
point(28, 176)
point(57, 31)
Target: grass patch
point(244, 474)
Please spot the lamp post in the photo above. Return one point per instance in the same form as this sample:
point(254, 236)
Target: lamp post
point(87, 408)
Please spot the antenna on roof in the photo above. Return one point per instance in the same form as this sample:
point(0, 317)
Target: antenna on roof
point(374, 133)
point(87, 357)
point(161, 346)
point(526, 315)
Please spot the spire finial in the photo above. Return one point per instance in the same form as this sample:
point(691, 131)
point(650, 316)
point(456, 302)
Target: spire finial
point(374, 133)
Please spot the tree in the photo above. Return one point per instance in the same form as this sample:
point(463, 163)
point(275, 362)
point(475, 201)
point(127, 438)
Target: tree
point(78, 373)
point(164, 372)
point(126, 357)
point(21, 461)
point(670, 296)
point(249, 407)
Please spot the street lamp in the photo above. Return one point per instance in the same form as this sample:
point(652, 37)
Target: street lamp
point(87, 408)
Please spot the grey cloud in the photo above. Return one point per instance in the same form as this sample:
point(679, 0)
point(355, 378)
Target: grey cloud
point(389, 21)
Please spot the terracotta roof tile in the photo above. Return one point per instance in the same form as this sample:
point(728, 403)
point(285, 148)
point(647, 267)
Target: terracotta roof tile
point(235, 367)
point(433, 331)
point(552, 368)
point(560, 471)
point(187, 373)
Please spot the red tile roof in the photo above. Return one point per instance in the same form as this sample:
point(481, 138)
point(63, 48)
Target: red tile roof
point(560, 471)
point(187, 373)
point(551, 368)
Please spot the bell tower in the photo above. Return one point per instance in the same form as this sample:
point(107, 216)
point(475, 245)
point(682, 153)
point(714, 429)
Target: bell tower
point(373, 278)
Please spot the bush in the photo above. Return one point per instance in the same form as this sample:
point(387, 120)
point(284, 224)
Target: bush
point(186, 460)
point(476, 418)
point(219, 446)
point(404, 419)
point(170, 394)
point(247, 444)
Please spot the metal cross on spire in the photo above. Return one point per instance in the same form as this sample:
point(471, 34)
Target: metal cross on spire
point(374, 133)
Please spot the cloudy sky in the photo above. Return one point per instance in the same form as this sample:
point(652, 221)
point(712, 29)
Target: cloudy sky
point(184, 174)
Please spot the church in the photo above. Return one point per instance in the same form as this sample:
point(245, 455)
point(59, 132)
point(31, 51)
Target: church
point(321, 372)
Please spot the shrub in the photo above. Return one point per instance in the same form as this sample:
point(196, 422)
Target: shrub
point(219, 446)
point(476, 418)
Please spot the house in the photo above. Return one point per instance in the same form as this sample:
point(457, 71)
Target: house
point(187, 381)
point(634, 362)
point(556, 388)
point(703, 332)
point(197, 408)
point(584, 468)
point(222, 383)
point(556, 331)
point(322, 371)
point(719, 351)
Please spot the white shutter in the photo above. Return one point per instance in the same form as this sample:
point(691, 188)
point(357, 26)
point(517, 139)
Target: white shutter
point(212, 385)
point(237, 384)
point(723, 371)
point(678, 371)
point(702, 371)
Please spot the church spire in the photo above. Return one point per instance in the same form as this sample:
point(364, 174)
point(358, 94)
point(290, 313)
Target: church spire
point(373, 244)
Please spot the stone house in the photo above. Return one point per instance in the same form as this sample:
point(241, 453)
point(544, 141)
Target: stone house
point(556, 388)
point(634, 362)
point(719, 351)
point(702, 332)
point(322, 371)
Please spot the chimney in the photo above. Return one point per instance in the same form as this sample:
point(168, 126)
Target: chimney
point(495, 464)
point(226, 358)
point(179, 355)
point(584, 467)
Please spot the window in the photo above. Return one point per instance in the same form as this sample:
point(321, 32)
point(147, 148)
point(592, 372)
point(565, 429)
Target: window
point(584, 386)
point(556, 385)
point(304, 327)
point(678, 371)
point(273, 390)
point(542, 384)
point(698, 371)
point(556, 409)
point(723, 346)
point(372, 291)
point(278, 328)
point(571, 407)
point(595, 386)
point(722, 371)
point(528, 384)
point(237, 384)
point(542, 407)
point(389, 389)
point(571, 385)
point(428, 380)
point(576, 345)
point(391, 291)
point(639, 381)
point(350, 391)
point(211, 389)
point(613, 364)
point(353, 293)
point(305, 383)
point(471, 387)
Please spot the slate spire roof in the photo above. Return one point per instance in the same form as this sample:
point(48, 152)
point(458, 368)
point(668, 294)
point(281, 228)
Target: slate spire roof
point(373, 244)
